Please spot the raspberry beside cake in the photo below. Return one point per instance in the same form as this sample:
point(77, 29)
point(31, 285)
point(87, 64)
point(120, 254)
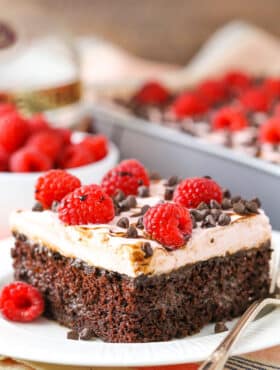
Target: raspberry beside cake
point(157, 269)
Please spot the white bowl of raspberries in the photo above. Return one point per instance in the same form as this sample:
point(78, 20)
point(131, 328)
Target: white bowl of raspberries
point(31, 146)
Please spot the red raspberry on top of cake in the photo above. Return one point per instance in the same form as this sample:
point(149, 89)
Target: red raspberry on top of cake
point(272, 87)
point(193, 191)
point(169, 224)
point(188, 104)
point(229, 118)
point(54, 186)
point(270, 131)
point(255, 99)
point(128, 176)
point(212, 90)
point(85, 205)
point(152, 92)
point(236, 80)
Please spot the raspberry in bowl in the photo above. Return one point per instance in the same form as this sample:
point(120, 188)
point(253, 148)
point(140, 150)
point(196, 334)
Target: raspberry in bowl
point(144, 259)
point(29, 147)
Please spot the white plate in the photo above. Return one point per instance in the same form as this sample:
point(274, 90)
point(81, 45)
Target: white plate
point(45, 341)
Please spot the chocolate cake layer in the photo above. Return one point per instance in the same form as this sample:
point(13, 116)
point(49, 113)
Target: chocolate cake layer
point(118, 308)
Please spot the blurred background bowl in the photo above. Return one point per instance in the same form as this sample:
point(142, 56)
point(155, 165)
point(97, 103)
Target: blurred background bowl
point(17, 189)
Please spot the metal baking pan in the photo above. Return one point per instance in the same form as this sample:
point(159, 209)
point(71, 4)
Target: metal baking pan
point(169, 152)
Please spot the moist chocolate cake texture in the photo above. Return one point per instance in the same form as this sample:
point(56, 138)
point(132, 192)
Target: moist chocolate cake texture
point(119, 308)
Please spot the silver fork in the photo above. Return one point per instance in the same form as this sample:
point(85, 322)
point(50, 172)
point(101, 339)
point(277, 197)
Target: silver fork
point(218, 358)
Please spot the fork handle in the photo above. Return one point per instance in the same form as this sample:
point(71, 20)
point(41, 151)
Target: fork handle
point(218, 358)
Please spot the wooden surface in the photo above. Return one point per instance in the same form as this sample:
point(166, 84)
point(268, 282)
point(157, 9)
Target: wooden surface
point(166, 30)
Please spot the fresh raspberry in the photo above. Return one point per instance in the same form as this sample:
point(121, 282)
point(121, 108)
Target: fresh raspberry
point(270, 131)
point(188, 104)
point(152, 92)
point(55, 185)
point(37, 123)
point(29, 160)
point(7, 108)
point(272, 87)
point(236, 80)
point(212, 90)
point(21, 302)
point(97, 144)
point(75, 155)
point(47, 142)
point(85, 205)
point(191, 192)
point(65, 134)
point(4, 160)
point(127, 176)
point(255, 99)
point(229, 118)
point(14, 131)
point(170, 224)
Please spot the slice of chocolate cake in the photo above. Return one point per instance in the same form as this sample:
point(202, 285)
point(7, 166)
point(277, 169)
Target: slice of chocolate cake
point(116, 282)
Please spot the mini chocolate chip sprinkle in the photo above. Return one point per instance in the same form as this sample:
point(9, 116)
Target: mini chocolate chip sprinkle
point(73, 335)
point(37, 207)
point(154, 176)
point(236, 199)
point(144, 209)
point(129, 202)
point(143, 191)
point(119, 196)
point(140, 182)
point(139, 223)
point(256, 200)
point(216, 213)
point(224, 219)
point(202, 206)
point(194, 224)
point(123, 222)
point(132, 232)
point(214, 204)
point(172, 181)
point(83, 197)
point(147, 249)
point(239, 207)
point(197, 215)
point(220, 327)
point(168, 194)
point(226, 193)
point(226, 203)
point(55, 205)
point(86, 334)
point(212, 240)
point(252, 206)
point(208, 222)
point(207, 177)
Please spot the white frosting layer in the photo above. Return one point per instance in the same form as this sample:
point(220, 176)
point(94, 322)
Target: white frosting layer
point(106, 246)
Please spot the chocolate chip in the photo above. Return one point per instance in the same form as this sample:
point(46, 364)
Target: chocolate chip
point(239, 207)
point(224, 219)
point(73, 335)
point(37, 207)
point(214, 204)
point(143, 191)
point(207, 177)
point(168, 194)
point(132, 232)
point(119, 196)
point(154, 176)
point(215, 213)
point(202, 206)
point(139, 223)
point(236, 199)
point(197, 215)
point(220, 327)
point(143, 210)
point(208, 222)
point(252, 207)
point(172, 181)
point(226, 203)
point(129, 202)
point(147, 249)
point(123, 222)
point(194, 224)
point(86, 334)
point(226, 193)
point(55, 205)
point(83, 197)
point(256, 200)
